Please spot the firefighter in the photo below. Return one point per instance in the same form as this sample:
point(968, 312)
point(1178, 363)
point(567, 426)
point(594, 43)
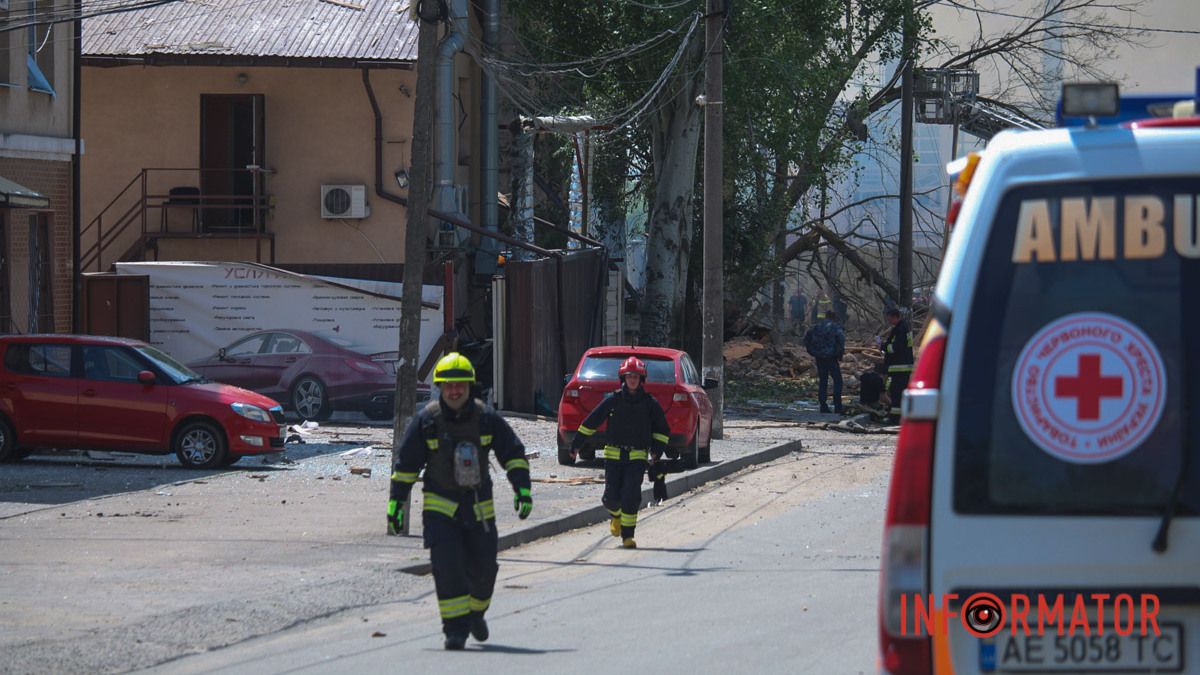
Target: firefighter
point(450, 438)
point(637, 430)
point(898, 357)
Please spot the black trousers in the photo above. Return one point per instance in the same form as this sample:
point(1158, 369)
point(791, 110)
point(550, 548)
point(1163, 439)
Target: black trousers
point(463, 555)
point(623, 491)
point(897, 383)
point(827, 369)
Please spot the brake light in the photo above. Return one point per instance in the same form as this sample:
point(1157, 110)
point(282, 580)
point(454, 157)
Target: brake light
point(906, 526)
point(364, 366)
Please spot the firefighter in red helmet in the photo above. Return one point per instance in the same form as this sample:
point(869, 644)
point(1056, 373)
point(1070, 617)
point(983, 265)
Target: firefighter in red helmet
point(637, 430)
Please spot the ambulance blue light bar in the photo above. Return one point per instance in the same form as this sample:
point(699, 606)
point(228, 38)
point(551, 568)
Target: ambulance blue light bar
point(1090, 99)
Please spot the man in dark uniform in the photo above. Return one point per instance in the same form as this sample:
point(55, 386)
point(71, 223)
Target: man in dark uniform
point(898, 357)
point(450, 439)
point(637, 430)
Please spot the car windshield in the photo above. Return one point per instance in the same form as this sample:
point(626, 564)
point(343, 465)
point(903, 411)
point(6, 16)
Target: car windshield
point(1082, 353)
point(605, 368)
point(176, 371)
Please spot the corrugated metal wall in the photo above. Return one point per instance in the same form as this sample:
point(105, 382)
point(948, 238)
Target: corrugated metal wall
point(540, 347)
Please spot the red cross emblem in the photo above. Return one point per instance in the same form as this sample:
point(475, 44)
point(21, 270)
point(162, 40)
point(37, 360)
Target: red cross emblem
point(1088, 387)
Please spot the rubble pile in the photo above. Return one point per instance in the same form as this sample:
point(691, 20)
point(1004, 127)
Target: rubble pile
point(760, 361)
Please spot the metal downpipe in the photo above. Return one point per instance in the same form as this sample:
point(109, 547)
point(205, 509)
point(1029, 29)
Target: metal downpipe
point(443, 127)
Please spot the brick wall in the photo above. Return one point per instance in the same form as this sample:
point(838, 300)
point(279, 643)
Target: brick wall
point(53, 180)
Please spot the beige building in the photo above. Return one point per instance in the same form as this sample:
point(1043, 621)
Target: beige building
point(37, 152)
point(268, 132)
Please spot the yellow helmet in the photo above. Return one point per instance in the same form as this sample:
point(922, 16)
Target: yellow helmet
point(453, 367)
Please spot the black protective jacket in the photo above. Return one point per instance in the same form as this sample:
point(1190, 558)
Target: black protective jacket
point(424, 447)
point(898, 349)
point(635, 421)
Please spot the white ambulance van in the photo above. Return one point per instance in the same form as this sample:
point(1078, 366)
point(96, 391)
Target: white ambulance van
point(1042, 513)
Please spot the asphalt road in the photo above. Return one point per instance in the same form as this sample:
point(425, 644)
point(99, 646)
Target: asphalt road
point(115, 563)
point(773, 570)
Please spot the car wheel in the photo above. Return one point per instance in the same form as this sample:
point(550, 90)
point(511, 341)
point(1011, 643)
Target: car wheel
point(378, 413)
point(705, 456)
point(200, 445)
point(564, 455)
point(309, 399)
point(691, 455)
point(8, 443)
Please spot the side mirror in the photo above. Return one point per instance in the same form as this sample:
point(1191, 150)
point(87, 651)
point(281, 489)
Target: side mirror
point(566, 379)
point(710, 383)
point(221, 354)
point(146, 377)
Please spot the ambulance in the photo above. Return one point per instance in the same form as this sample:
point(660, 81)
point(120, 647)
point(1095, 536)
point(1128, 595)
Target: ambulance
point(1043, 508)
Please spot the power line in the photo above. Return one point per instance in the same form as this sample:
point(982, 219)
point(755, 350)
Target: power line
point(34, 18)
point(525, 98)
point(1049, 19)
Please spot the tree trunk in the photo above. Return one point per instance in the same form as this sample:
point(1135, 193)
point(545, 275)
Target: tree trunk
point(675, 142)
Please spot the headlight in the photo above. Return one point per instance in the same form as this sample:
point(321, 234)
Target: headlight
point(251, 412)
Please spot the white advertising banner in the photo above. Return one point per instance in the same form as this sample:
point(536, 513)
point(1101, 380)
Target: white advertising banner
point(197, 309)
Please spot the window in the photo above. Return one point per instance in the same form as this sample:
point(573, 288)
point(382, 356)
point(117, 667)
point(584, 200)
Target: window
point(605, 368)
point(690, 374)
point(39, 359)
point(175, 371)
point(110, 363)
point(41, 277)
point(40, 58)
point(282, 343)
point(248, 347)
point(998, 467)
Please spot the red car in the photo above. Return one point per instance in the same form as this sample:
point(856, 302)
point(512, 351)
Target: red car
point(104, 393)
point(671, 378)
point(312, 374)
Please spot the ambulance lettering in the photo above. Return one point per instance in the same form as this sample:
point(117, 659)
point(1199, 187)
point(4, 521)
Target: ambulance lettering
point(1090, 228)
point(1089, 387)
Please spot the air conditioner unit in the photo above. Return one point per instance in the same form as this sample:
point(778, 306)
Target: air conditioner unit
point(344, 201)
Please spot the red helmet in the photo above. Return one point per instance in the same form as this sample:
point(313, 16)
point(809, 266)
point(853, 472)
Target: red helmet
point(632, 365)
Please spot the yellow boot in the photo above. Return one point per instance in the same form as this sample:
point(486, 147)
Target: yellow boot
point(614, 526)
point(629, 543)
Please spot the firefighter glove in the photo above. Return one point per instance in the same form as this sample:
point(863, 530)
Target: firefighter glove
point(523, 503)
point(395, 517)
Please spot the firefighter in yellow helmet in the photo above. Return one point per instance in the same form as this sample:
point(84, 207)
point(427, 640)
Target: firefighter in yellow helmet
point(450, 439)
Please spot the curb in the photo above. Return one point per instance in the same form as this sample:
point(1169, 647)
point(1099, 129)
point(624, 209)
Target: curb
point(598, 514)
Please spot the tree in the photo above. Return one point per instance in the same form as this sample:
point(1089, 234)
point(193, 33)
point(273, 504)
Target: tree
point(1009, 45)
point(636, 68)
point(803, 80)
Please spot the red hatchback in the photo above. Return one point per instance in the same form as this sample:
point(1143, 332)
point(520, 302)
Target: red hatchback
point(104, 393)
point(671, 378)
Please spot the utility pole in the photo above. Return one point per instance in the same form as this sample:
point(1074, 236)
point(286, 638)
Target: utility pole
point(713, 349)
point(906, 161)
point(415, 233)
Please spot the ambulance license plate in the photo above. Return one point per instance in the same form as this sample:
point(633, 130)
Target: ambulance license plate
point(1049, 653)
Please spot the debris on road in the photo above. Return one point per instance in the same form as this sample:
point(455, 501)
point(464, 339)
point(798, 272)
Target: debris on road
point(577, 480)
